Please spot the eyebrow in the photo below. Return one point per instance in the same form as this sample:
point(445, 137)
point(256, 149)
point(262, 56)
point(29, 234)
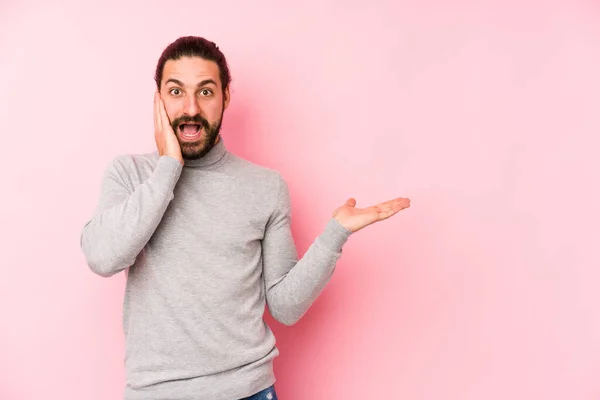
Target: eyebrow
point(202, 83)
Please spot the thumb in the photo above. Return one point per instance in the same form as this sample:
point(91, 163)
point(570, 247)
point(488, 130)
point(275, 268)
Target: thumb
point(351, 202)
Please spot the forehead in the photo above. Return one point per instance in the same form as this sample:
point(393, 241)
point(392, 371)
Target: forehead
point(191, 70)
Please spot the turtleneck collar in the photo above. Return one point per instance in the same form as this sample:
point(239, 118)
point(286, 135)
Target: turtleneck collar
point(211, 158)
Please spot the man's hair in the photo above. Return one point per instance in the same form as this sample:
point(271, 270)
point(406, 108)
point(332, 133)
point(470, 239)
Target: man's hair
point(194, 46)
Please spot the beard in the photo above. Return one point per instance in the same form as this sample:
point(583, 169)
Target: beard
point(199, 148)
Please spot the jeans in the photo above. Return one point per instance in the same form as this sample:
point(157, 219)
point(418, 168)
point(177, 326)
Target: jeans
point(267, 394)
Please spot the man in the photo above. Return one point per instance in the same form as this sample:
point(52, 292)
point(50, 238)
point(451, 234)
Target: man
point(204, 237)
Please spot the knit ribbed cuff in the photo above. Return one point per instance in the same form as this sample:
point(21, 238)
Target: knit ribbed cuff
point(334, 235)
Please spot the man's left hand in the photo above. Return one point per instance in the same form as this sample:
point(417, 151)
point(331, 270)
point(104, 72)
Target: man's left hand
point(354, 219)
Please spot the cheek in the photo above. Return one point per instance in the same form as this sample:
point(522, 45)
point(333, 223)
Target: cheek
point(214, 109)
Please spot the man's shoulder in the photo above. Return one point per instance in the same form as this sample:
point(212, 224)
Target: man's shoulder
point(259, 183)
point(127, 162)
point(254, 171)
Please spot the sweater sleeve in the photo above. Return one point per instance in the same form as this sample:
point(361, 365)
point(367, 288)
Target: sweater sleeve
point(126, 217)
point(293, 285)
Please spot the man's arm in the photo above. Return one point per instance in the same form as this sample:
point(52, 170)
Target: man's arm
point(126, 219)
point(292, 285)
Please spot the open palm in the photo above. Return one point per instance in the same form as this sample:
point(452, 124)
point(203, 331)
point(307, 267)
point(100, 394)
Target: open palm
point(354, 219)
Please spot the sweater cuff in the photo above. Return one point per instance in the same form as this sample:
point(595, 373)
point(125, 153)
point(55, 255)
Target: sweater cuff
point(169, 167)
point(167, 172)
point(334, 236)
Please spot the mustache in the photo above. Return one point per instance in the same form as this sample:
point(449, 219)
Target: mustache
point(186, 119)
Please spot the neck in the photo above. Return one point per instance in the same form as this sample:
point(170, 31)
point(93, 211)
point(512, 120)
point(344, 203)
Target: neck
point(215, 155)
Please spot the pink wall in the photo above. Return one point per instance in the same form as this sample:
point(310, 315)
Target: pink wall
point(487, 117)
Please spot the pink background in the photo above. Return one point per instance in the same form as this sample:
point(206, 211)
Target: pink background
point(486, 116)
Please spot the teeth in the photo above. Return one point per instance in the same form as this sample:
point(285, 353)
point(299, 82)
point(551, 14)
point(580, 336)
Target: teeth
point(196, 133)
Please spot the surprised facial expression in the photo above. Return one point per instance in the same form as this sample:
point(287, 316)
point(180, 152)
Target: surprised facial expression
point(195, 101)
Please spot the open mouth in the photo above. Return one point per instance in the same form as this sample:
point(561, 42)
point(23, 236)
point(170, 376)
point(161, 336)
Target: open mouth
point(190, 131)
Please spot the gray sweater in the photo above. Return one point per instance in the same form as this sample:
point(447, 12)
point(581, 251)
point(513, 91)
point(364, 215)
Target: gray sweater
point(205, 247)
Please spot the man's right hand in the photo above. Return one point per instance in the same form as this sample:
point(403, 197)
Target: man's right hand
point(165, 138)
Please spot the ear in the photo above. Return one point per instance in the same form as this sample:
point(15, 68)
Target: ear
point(227, 97)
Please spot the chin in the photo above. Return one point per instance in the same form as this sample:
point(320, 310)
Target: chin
point(189, 154)
point(194, 150)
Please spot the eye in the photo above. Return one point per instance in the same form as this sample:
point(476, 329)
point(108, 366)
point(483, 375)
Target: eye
point(205, 92)
point(175, 92)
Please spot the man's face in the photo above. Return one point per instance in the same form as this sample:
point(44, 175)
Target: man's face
point(194, 101)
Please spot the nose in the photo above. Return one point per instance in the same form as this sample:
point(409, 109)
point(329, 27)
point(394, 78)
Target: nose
point(190, 106)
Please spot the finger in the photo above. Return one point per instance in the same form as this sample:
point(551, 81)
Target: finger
point(403, 200)
point(387, 213)
point(157, 122)
point(164, 118)
point(351, 202)
point(388, 204)
point(388, 209)
point(399, 202)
